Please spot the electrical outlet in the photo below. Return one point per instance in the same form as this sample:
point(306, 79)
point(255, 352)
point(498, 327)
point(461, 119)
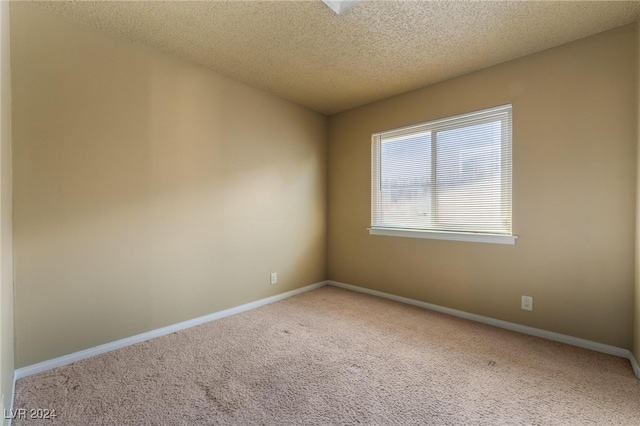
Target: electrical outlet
point(527, 303)
point(274, 278)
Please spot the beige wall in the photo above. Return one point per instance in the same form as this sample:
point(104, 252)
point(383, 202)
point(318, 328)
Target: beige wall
point(6, 261)
point(574, 150)
point(636, 300)
point(149, 191)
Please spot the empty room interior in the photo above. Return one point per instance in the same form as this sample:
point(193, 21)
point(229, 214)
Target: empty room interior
point(319, 212)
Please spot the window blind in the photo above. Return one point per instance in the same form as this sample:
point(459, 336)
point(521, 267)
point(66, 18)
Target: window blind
point(448, 175)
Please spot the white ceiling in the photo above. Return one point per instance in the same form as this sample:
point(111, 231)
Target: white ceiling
point(304, 52)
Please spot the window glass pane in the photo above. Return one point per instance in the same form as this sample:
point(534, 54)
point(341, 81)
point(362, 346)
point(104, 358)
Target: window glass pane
point(405, 181)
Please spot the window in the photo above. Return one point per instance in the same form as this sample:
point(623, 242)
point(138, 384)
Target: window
point(445, 179)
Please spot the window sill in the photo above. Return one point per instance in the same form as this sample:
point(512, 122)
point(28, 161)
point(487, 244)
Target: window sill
point(452, 236)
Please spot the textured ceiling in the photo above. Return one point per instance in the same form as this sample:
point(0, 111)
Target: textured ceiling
point(304, 52)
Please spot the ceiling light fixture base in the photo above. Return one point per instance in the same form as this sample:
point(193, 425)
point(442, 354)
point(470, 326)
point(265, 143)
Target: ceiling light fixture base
point(340, 6)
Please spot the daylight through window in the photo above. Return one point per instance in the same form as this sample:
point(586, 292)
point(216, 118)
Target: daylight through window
point(446, 176)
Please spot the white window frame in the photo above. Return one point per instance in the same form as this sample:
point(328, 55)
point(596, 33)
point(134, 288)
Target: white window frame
point(433, 127)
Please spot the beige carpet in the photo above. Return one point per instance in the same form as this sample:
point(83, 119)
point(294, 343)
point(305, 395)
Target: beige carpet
point(336, 357)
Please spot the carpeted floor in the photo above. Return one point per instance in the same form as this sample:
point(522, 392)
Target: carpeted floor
point(333, 356)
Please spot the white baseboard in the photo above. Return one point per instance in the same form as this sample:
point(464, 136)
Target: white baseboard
point(563, 338)
point(634, 364)
point(108, 347)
